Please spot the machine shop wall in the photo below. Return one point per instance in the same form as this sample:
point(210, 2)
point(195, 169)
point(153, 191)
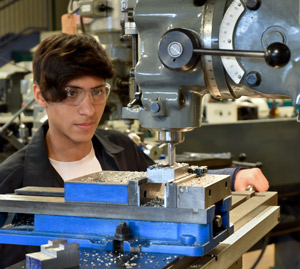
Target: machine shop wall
point(21, 21)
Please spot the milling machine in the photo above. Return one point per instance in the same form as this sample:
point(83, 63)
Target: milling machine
point(185, 49)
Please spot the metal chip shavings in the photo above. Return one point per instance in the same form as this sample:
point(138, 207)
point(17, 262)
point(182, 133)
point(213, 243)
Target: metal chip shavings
point(115, 177)
point(156, 202)
point(103, 259)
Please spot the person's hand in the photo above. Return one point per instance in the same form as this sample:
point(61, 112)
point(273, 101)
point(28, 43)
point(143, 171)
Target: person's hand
point(253, 176)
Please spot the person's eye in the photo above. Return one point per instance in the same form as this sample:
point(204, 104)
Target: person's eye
point(98, 91)
point(72, 92)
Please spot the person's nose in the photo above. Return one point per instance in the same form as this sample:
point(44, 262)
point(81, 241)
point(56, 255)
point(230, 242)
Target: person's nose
point(87, 105)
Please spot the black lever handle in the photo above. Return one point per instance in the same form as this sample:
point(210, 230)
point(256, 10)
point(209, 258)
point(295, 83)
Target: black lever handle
point(277, 54)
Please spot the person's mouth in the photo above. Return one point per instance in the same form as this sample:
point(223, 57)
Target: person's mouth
point(85, 125)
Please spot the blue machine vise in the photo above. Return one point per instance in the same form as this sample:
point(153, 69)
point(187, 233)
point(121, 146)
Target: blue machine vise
point(178, 210)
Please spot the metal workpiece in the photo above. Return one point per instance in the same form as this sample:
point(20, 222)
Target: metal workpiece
point(56, 254)
point(163, 173)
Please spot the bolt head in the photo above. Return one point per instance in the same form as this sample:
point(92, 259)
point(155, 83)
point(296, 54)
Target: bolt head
point(175, 49)
point(155, 107)
point(253, 79)
point(253, 4)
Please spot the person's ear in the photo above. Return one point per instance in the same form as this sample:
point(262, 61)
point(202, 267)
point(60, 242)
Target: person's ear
point(38, 96)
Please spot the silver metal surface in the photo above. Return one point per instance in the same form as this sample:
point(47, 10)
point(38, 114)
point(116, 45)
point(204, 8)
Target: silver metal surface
point(243, 213)
point(207, 191)
point(58, 206)
point(258, 218)
point(41, 191)
point(171, 154)
point(231, 249)
point(171, 138)
point(227, 52)
point(164, 173)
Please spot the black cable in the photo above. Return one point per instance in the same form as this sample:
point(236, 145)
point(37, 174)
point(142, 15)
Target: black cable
point(265, 243)
point(82, 24)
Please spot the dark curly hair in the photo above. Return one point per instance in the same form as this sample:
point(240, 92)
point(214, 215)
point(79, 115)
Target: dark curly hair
point(61, 58)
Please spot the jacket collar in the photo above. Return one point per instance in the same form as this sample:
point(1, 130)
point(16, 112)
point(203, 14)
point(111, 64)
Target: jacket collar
point(37, 167)
point(37, 162)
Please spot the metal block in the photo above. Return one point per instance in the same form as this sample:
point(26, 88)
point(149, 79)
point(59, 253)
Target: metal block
point(163, 173)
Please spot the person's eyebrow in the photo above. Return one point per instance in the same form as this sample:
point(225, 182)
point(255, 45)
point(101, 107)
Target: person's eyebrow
point(77, 87)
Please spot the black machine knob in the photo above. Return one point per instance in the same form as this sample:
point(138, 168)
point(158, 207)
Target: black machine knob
point(277, 55)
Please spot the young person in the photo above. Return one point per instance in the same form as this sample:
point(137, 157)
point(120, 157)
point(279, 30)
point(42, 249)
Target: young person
point(70, 73)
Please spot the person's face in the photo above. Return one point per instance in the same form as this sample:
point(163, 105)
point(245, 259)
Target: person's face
point(75, 124)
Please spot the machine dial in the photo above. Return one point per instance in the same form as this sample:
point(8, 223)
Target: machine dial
point(231, 16)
